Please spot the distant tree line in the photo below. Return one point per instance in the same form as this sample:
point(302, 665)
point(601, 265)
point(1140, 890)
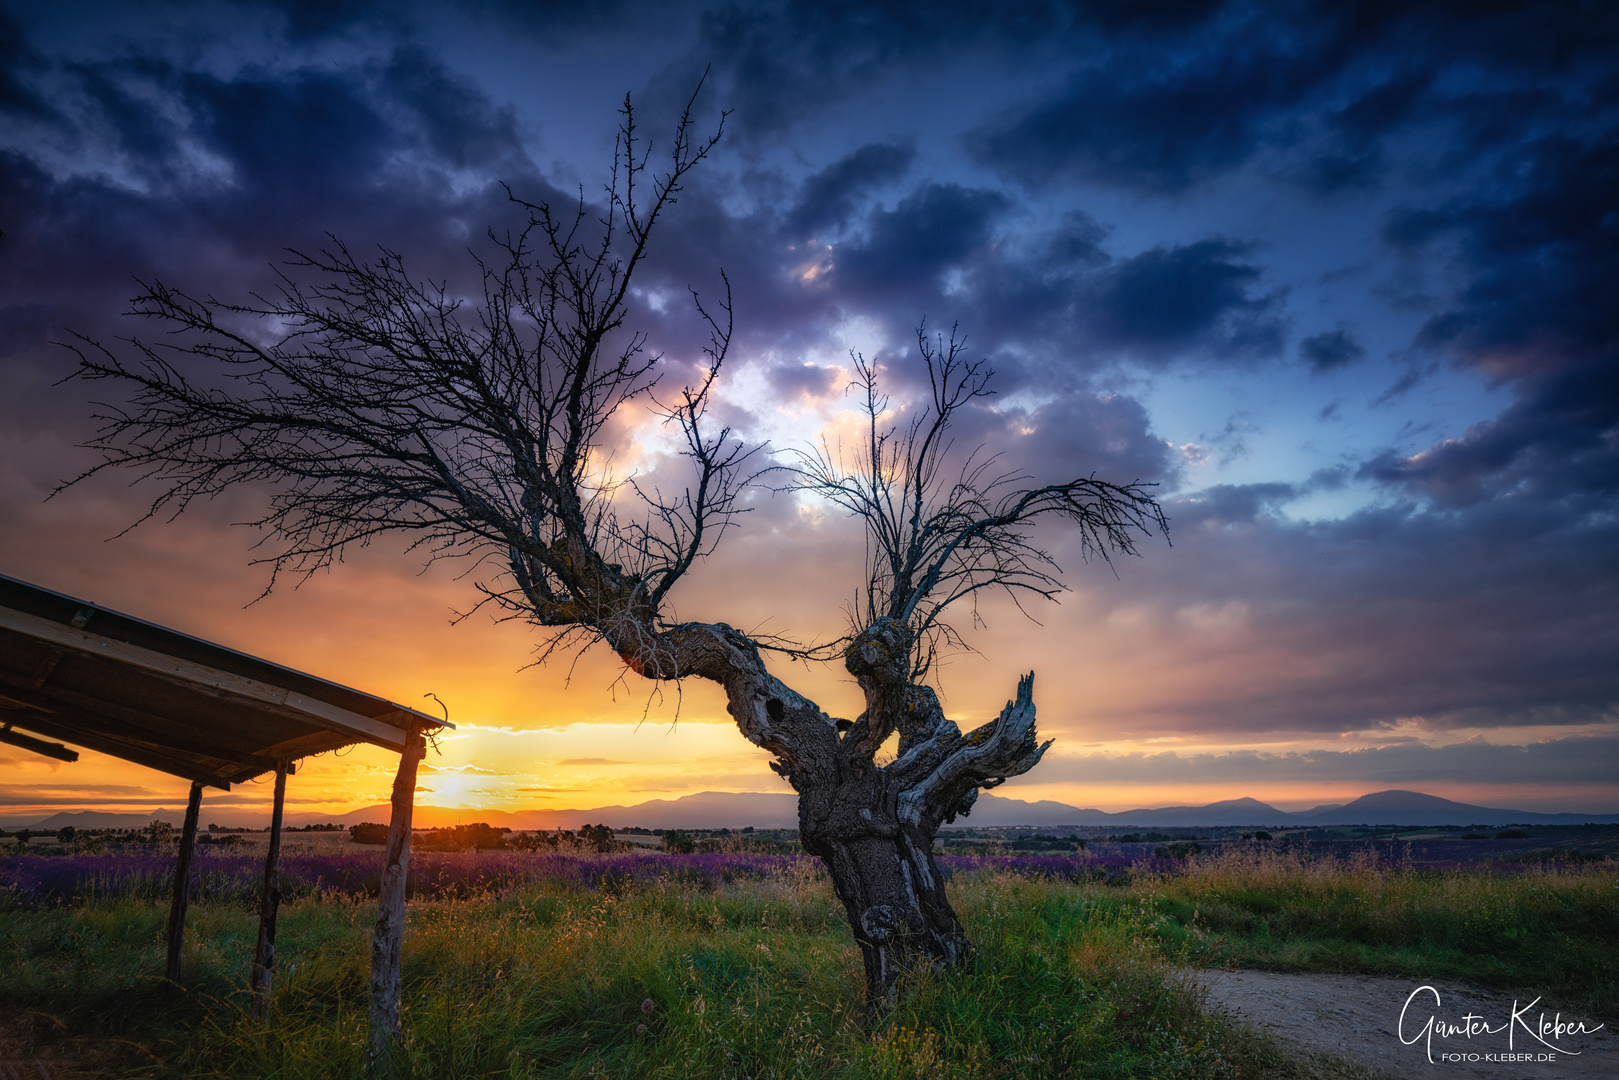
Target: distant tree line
point(482, 836)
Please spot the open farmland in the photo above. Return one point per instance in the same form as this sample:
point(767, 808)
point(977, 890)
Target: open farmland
point(741, 964)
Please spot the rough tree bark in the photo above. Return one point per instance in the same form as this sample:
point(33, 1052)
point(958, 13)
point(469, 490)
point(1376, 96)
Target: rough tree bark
point(874, 826)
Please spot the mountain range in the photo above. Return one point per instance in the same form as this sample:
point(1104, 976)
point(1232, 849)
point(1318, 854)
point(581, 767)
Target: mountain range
point(779, 810)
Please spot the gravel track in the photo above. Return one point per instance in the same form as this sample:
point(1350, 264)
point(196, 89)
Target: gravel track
point(1357, 1017)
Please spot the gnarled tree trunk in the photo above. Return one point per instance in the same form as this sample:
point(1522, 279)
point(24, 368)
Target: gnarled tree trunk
point(873, 826)
point(883, 871)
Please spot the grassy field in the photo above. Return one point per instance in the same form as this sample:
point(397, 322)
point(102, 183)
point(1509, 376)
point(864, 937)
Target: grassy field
point(752, 973)
point(1553, 929)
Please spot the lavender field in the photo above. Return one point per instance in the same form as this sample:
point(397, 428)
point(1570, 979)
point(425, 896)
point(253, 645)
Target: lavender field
point(147, 872)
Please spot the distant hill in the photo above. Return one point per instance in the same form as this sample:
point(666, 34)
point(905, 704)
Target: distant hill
point(1225, 812)
point(992, 809)
point(1415, 808)
point(779, 810)
point(98, 819)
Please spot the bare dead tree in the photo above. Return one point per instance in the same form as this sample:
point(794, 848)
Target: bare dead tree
point(371, 403)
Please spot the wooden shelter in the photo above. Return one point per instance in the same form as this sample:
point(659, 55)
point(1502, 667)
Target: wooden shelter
point(81, 674)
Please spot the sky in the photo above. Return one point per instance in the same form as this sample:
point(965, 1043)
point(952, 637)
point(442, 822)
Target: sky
point(1331, 275)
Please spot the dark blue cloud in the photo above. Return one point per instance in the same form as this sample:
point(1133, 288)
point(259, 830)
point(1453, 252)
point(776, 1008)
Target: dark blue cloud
point(560, 16)
point(311, 20)
point(1073, 243)
point(1146, 126)
point(933, 229)
point(1231, 504)
point(1541, 247)
point(1539, 253)
point(782, 63)
point(456, 123)
point(1331, 349)
point(17, 98)
point(1168, 300)
point(289, 138)
point(1325, 85)
point(22, 327)
point(1556, 442)
point(1055, 301)
point(1351, 152)
point(203, 179)
point(831, 197)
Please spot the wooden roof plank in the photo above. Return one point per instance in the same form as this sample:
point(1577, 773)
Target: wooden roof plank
point(173, 702)
point(69, 719)
point(70, 611)
point(126, 719)
point(327, 715)
point(174, 766)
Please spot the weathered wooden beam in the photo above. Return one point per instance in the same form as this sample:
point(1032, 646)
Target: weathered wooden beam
point(38, 746)
point(42, 669)
point(182, 883)
point(148, 723)
point(71, 727)
point(388, 941)
point(264, 953)
point(193, 674)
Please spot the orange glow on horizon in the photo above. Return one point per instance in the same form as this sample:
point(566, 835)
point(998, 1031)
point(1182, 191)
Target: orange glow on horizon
point(584, 732)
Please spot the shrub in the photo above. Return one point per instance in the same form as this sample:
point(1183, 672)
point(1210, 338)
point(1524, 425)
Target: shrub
point(599, 837)
point(479, 836)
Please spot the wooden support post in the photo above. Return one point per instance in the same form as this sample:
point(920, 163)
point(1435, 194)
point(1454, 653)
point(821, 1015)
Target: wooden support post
point(182, 883)
point(264, 954)
point(388, 940)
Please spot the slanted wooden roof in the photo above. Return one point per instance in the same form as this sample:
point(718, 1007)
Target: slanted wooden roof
point(73, 671)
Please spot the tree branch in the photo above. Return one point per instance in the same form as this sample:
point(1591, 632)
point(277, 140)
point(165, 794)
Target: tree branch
point(937, 536)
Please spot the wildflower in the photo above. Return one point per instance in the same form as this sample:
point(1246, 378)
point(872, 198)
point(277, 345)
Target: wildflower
point(646, 1006)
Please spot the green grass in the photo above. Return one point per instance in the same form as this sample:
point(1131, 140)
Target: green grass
point(755, 979)
point(761, 978)
point(1548, 930)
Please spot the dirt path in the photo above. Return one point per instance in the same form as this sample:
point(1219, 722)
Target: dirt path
point(1359, 1018)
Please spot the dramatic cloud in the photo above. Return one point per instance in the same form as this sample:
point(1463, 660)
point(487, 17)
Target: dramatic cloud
point(1339, 278)
point(935, 228)
point(1135, 124)
point(1169, 300)
point(1331, 349)
point(1539, 250)
point(831, 197)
